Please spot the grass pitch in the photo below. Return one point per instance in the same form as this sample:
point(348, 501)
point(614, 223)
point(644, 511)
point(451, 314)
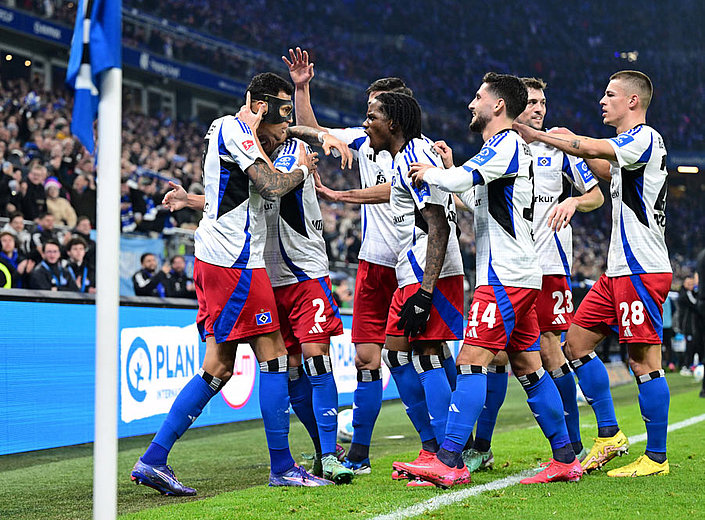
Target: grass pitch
point(228, 465)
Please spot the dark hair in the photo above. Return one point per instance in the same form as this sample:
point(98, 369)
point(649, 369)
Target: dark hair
point(389, 85)
point(268, 83)
point(76, 241)
point(145, 255)
point(52, 241)
point(171, 262)
point(536, 83)
point(510, 89)
point(43, 214)
point(16, 214)
point(640, 84)
point(403, 110)
point(3, 233)
point(81, 219)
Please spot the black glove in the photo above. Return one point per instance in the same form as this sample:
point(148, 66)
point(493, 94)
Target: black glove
point(415, 313)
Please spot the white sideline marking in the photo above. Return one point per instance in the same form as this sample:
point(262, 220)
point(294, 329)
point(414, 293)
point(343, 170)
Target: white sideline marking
point(457, 496)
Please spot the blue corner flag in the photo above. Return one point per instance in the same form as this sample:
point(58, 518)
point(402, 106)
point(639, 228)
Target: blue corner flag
point(95, 47)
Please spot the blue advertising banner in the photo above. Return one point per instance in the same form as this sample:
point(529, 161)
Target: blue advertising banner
point(47, 372)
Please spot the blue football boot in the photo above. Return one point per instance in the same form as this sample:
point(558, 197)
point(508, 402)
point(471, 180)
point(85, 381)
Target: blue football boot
point(298, 477)
point(161, 478)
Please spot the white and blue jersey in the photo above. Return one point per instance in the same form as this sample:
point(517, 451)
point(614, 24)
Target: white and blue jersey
point(638, 189)
point(502, 176)
point(232, 231)
point(295, 250)
point(556, 176)
point(379, 245)
point(406, 202)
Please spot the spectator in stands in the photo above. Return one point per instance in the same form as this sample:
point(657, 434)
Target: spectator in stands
point(178, 284)
point(127, 211)
point(688, 321)
point(78, 266)
point(33, 196)
point(149, 215)
point(51, 273)
point(343, 295)
point(83, 230)
point(63, 212)
point(43, 232)
point(13, 264)
point(83, 196)
point(16, 227)
point(147, 281)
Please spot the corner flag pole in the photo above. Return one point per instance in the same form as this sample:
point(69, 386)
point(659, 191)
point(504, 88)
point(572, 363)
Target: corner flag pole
point(107, 296)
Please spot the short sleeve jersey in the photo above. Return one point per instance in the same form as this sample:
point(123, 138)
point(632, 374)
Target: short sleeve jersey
point(407, 201)
point(379, 244)
point(556, 177)
point(638, 190)
point(503, 213)
point(232, 231)
point(295, 250)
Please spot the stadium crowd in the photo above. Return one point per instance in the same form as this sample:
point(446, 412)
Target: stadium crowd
point(368, 33)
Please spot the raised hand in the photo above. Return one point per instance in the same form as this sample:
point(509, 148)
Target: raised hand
point(332, 142)
point(300, 70)
point(446, 153)
point(247, 116)
point(176, 198)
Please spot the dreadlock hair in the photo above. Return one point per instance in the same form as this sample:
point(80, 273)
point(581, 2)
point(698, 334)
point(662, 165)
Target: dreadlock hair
point(403, 110)
point(389, 85)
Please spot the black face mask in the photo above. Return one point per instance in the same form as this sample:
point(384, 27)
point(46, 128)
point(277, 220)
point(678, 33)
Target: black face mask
point(278, 110)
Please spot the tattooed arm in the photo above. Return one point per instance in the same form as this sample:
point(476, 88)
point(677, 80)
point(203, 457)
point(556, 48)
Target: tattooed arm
point(580, 146)
point(436, 245)
point(271, 183)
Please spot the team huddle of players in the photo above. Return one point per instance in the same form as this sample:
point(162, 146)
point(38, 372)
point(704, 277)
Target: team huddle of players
point(261, 276)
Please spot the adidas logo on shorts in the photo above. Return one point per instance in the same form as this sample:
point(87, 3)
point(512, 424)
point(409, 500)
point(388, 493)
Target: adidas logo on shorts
point(560, 320)
point(316, 329)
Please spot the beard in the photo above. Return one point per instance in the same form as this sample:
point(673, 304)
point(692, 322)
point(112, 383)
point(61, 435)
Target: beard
point(478, 124)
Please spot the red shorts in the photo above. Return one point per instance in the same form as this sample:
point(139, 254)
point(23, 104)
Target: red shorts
point(308, 313)
point(374, 288)
point(503, 318)
point(446, 319)
point(554, 305)
point(233, 304)
point(632, 305)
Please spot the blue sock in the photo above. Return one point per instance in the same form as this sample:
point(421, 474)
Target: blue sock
point(187, 406)
point(565, 382)
point(449, 366)
point(274, 406)
point(654, 398)
point(497, 379)
point(301, 398)
point(410, 391)
point(595, 384)
point(465, 406)
point(367, 402)
point(325, 400)
point(437, 391)
point(545, 403)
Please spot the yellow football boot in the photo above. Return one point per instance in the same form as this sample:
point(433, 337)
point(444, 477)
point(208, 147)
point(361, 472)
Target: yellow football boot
point(641, 467)
point(604, 450)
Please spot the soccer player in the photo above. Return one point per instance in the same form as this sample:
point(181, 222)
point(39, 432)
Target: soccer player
point(556, 176)
point(376, 279)
point(503, 313)
point(235, 297)
point(630, 295)
point(297, 265)
point(426, 309)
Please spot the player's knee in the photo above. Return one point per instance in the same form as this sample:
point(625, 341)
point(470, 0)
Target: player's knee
point(367, 362)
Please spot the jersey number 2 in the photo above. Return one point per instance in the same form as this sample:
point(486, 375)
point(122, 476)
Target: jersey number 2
point(320, 316)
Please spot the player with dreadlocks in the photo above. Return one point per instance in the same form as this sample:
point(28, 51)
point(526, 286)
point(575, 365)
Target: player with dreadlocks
point(427, 307)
